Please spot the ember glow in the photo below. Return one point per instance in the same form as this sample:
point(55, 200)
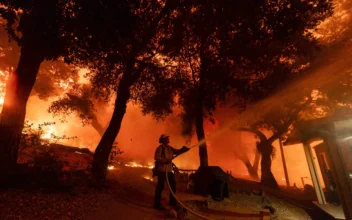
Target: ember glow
point(134, 164)
point(49, 133)
point(65, 84)
point(111, 167)
point(148, 178)
point(4, 77)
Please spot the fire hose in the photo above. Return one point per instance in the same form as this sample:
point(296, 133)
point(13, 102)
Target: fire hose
point(179, 202)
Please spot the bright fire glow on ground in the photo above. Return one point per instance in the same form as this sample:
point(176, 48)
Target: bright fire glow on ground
point(148, 178)
point(134, 164)
point(111, 167)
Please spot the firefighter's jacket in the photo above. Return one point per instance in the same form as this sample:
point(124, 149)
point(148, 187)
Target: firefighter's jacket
point(164, 155)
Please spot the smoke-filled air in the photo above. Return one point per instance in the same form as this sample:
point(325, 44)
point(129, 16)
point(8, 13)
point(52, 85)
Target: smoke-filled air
point(227, 82)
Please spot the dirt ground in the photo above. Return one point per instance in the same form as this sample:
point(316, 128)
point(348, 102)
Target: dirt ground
point(135, 200)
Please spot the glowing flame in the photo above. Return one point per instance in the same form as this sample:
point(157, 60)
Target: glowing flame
point(134, 164)
point(49, 133)
point(148, 178)
point(111, 167)
point(65, 84)
point(2, 100)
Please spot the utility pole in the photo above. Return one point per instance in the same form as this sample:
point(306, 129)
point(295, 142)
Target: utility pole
point(284, 163)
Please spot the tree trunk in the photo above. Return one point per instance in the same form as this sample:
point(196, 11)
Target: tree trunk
point(265, 149)
point(18, 89)
point(267, 178)
point(253, 173)
point(97, 126)
point(102, 152)
point(252, 169)
point(203, 153)
point(256, 161)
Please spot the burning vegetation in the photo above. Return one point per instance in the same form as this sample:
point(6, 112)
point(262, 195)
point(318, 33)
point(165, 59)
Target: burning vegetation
point(229, 79)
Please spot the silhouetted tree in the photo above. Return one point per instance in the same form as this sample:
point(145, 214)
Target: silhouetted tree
point(127, 60)
point(51, 74)
point(278, 56)
point(80, 101)
point(328, 100)
point(48, 30)
point(278, 121)
point(243, 45)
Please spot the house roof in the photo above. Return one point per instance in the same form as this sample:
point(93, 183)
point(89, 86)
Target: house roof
point(312, 130)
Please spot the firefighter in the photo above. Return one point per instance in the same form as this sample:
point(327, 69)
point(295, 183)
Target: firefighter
point(164, 155)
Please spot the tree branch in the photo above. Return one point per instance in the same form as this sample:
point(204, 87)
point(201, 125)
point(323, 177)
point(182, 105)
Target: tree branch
point(190, 62)
point(260, 134)
point(150, 31)
point(289, 121)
